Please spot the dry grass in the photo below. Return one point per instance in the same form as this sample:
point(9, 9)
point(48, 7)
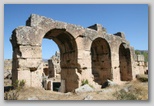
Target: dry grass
point(134, 90)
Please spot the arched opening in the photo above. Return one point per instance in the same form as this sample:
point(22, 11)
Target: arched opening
point(101, 60)
point(51, 69)
point(68, 58)
point(125, 63)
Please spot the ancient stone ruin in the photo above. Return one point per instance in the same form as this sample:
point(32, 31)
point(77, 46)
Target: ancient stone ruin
point(52, 70)
point(85, 54)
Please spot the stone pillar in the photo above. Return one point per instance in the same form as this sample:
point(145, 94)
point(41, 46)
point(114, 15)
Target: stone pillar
point(115, 61)
point(51, 68)
point(27, 56)
point(62, 87)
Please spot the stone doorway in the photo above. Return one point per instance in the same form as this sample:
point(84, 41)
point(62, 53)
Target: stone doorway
point(101, 60)
point(125, 63)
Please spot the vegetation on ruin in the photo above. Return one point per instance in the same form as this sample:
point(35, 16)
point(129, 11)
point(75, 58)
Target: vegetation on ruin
point(134, 90)
point(14, 94)
point(84, 82)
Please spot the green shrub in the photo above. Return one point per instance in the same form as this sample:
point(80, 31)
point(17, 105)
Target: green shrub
point(19, 84)
point(84, 82)
point(22, 83)
point(13, 94)
point(15, 84)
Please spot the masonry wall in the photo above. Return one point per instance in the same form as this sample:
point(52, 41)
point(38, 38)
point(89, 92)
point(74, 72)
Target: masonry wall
point(75, 44)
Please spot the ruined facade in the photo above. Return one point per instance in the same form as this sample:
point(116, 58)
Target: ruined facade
point(85, 53)
point(54, 65)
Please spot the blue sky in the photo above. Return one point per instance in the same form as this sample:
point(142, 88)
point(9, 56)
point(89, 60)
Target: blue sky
point(131, 19)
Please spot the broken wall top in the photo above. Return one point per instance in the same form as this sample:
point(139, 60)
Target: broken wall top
point(37, 27)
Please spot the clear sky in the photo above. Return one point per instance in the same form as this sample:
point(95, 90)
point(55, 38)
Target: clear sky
point(131, 19)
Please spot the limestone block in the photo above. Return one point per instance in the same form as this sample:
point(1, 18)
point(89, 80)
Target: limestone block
point(85, 63)
point(74, 30)
point(83, 54)
point(25, 75)
point(49, 85)
point(140, 57)
point(31, 51)
point(87, 74)
point(28, 35)
point(98, 27)
point(120, 34)
point(62, 87)
point(29, 63)
point(60, 25)
point(91, 34)
point(36, 79)
point(83, 42)
point(116, 74)
point(40, 21)
point(84, 88)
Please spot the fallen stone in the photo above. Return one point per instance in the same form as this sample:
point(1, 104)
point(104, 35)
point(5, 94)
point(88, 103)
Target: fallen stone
point(88, 97)
point(7, 74)
point(33, 98)
point(68, 94)
point(84, 88)
point(108, 83)
point(111, 83)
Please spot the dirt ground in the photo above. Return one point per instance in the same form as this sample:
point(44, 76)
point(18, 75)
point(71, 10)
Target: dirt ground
point(133, 90)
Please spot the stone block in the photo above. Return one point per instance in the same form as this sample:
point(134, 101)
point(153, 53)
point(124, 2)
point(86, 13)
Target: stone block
point(140, 58)
point(120, 34)
point(25, 75)
point(29, 63)
point(36, 79)
point(62, 87)
point(28, 35)
point(83, 42)
point(84, 88)
point(30, 51)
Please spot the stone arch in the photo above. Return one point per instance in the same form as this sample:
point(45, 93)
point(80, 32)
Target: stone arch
point(66, 44)
point(101, 60)
point(125, 63)
point(68, 56)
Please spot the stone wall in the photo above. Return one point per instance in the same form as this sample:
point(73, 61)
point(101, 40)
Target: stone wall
point(141, 65)
point(54, 65)
point(85, 53)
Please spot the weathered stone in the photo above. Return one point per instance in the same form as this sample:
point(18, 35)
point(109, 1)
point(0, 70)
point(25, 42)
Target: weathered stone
point(120, 34)
point(32, 98)
point(62, 87)
point(29, 63)
point(31, 52)
point(84, 88)
point(140, 58)
point(27, 35)
point(7, 74)
point(111, 83)
point(88, 97)
point(89, 53)
point(54, 65)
